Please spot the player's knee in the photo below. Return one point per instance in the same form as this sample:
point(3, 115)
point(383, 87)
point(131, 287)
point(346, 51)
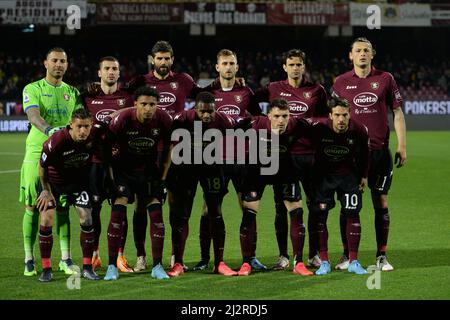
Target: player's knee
point(47, 218)
point(383, 212)
point(350, 213)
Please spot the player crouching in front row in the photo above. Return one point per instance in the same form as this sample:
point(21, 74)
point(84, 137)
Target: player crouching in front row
point(63, 172)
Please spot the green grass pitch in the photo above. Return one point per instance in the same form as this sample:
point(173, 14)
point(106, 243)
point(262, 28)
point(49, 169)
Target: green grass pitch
point(419, 243)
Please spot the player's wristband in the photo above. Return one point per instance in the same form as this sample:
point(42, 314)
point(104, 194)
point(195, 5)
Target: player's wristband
point(47, 130)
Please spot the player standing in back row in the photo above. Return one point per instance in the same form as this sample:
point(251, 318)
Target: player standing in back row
point(371, 93)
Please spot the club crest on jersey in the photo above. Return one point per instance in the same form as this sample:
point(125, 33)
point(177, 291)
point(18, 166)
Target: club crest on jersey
point(307, 95)
point(174, 85)
point(238, 98)
point(120, 102)
point(66, 97)
point(374, 85)
point(155, 131)
point(350, 141)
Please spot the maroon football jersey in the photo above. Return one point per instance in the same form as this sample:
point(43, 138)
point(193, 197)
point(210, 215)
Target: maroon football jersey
point(294, 130)
point(173, 90)
point(103, 105)
point(186, 120)
point(137, 142)
point(234, 103)
point(67, 161)
point(370, 98)
point(309, 100)
point(340, 153)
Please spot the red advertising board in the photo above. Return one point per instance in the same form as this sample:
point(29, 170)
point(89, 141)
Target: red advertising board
point(139, 13)
point(307, 13)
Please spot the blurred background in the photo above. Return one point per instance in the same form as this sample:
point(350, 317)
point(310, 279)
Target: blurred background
point(412, 44)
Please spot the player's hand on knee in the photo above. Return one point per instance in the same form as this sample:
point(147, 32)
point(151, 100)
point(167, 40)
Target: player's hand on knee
point(45, 201)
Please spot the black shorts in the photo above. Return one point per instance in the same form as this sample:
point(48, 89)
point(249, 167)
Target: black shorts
point(142, 185)
point(71, 194)
point(285, 187)
point(183, 179)
point(347, 189)
point(99, 183)
point(236, 173)
point(303, 168)
point(380, 171)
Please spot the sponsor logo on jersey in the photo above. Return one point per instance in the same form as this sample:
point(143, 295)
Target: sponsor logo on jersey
point(102, 114)
point(155, 131)
point(174, 85)
point(365, 99)
point(238, 98)
point(77, 160)
point(229, 109)
point(68, 152)
point(297, 107)
point(398, 96)
point(44, 156)
point(141, 145)
point(97, 102)
point(285, 94)
point(66, 97)
point(336, 153)
point(374, 85)
point(166, 99)
point(132, 132)
point(47, 95)
point(351, 87)
point(121, 102)
point(307, 95)
point(219, 99)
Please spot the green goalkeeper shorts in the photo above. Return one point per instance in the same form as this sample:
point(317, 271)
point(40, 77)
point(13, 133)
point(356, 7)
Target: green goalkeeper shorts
point(29, 182)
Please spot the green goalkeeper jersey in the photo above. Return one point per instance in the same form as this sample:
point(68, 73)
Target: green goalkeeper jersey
point(55, 103)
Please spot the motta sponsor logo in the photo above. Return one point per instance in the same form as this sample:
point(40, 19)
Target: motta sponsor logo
point(141, 145)
point(365, 99)
point(297, 107)
point(166, 99)
point(336, 152)
point(77, 160)
point(102, 114)
point(230, 110)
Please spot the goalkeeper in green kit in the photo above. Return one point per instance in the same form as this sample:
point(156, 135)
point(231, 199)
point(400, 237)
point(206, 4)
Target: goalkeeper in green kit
point(49, 104)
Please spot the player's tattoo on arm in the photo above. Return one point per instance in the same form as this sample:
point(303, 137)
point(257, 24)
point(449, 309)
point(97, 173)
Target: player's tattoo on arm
point(43, 176)
point(36, 120)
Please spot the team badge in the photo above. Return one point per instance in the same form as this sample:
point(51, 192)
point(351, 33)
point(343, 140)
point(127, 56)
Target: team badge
point(374, 85)
point(153, 87)
point(121, 102)
point(350, 141)
point(66, 97)
point(174, 85)
point(238, 98)
point(307, 95)
point(155, 131)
